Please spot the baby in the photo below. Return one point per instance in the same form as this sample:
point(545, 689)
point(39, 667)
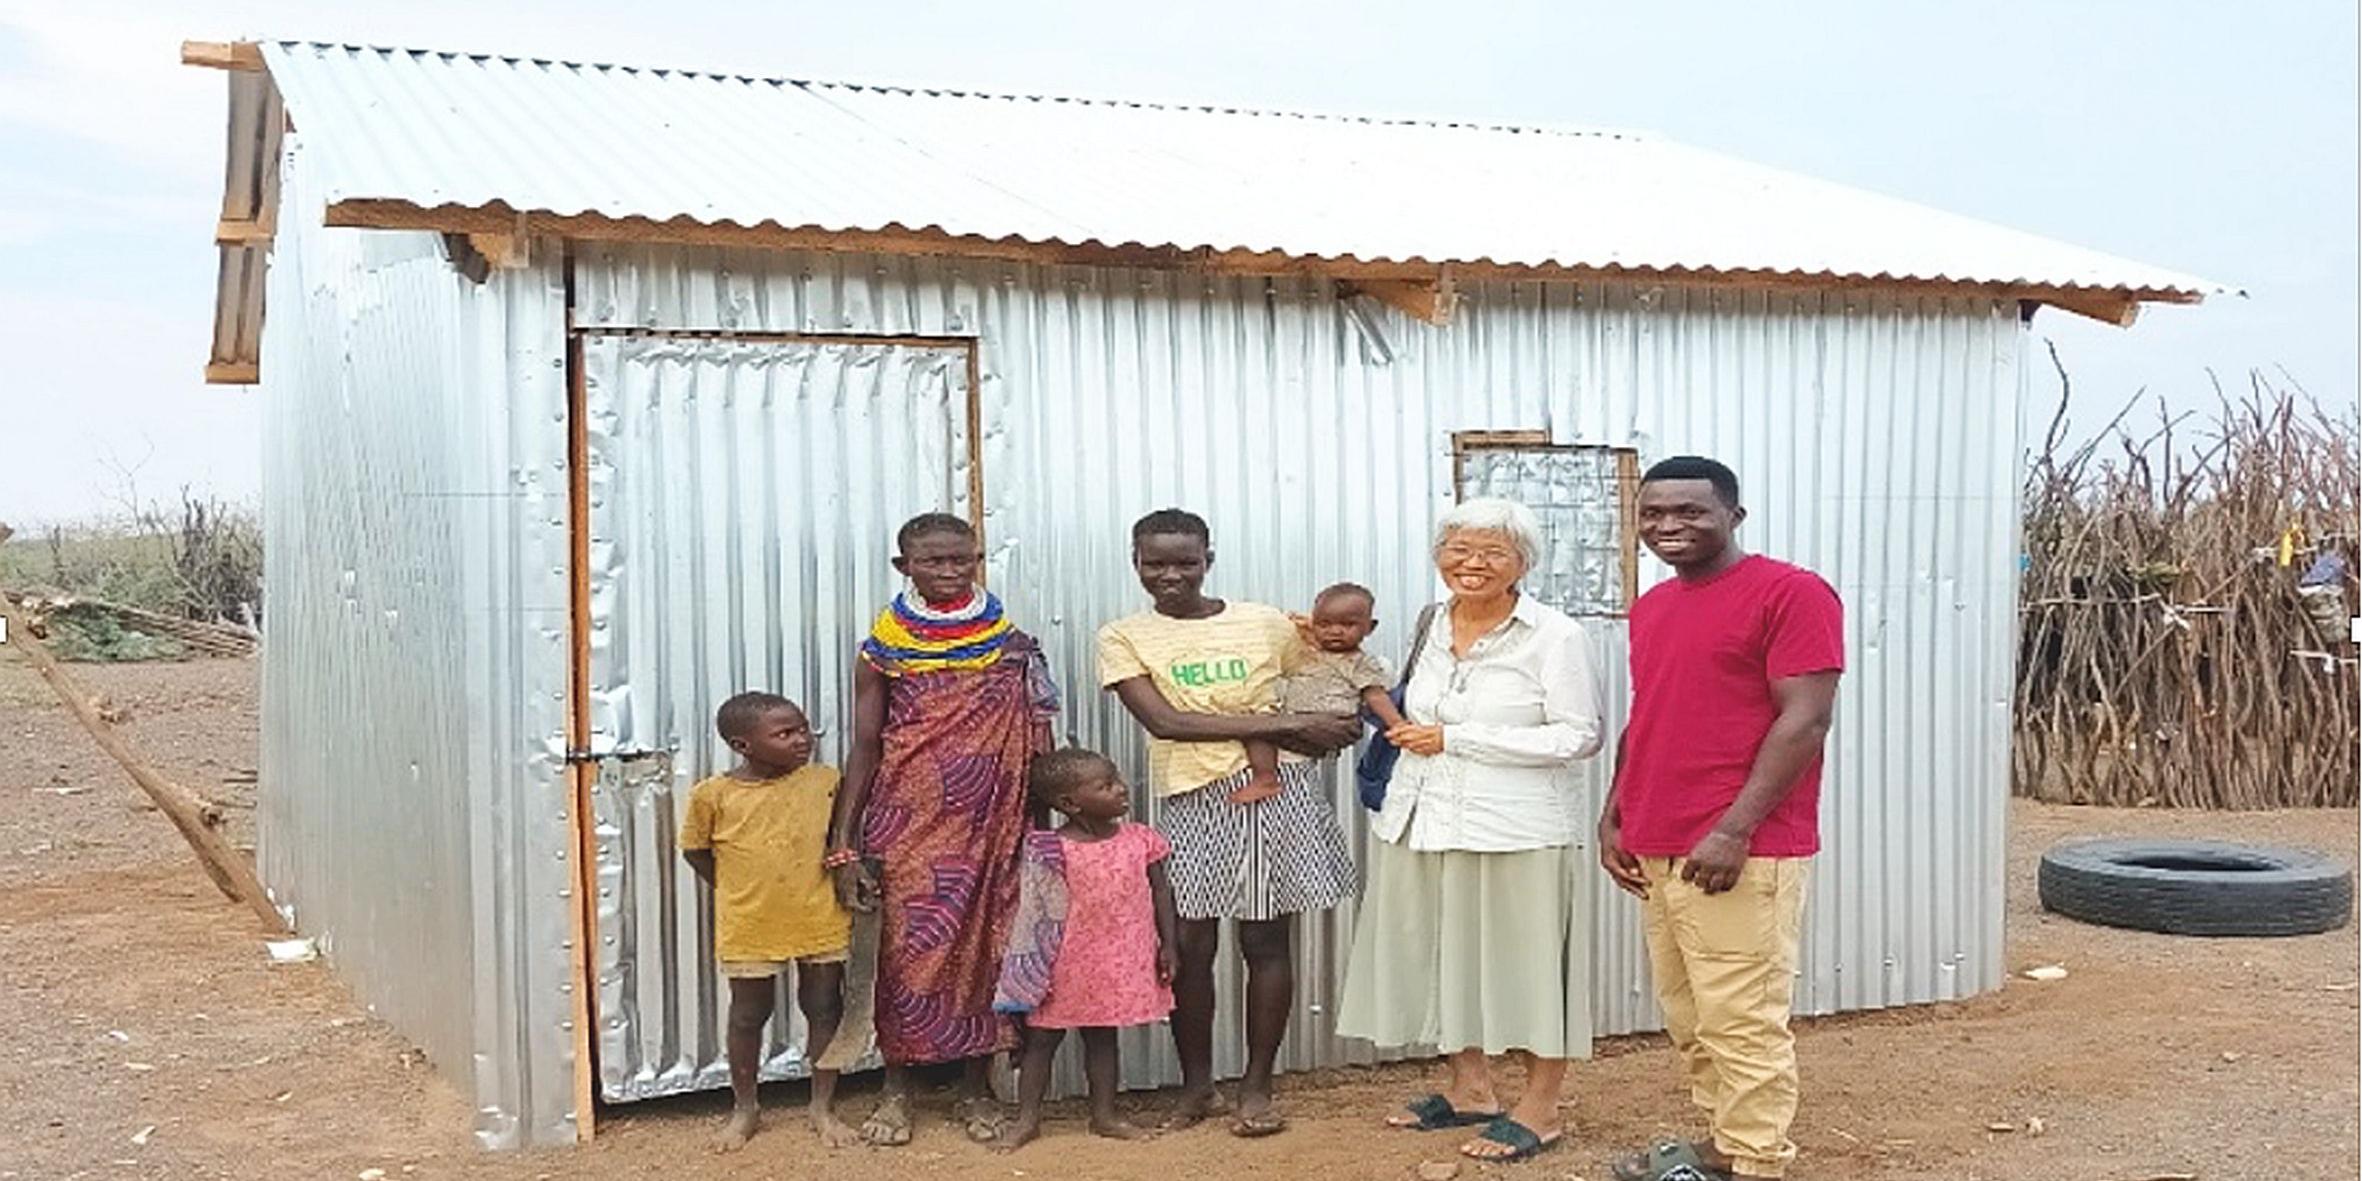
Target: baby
point(1332, 675)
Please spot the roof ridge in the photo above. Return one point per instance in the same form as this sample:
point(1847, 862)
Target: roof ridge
point(982, 94)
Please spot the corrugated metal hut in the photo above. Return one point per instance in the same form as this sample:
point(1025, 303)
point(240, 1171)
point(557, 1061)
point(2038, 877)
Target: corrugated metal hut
point(594, 394)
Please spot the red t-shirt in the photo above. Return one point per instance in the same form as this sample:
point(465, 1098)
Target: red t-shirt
point(1704, 656)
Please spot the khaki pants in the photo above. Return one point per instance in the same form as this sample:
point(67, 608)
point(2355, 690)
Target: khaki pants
point(1725, 968)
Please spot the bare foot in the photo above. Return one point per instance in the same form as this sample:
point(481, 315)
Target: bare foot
point(1256, 1117)
point(982, 1117)
point(889, 1125)
point(740, 1129)
point(1259, 787)
point(1484, 1148)
point(1119, 1128)
point(1016, 1135)
point(1195, 1108)
point(834, 1132)
point(1466, 1107)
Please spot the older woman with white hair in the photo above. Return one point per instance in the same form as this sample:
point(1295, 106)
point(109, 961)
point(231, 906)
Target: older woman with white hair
point(1472, 935)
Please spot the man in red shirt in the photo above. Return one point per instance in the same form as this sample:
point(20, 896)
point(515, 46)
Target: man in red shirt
point(1714, 816)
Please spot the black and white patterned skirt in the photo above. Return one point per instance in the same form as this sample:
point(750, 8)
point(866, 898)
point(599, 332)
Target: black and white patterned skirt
point(1274, 857)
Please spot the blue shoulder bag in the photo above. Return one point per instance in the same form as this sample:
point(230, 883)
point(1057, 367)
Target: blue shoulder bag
point(1375, 767)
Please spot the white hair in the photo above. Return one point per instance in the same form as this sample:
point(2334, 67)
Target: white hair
point(1493, 515)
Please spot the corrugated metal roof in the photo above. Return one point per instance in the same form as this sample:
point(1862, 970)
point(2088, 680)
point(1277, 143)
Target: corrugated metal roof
point(442, 129)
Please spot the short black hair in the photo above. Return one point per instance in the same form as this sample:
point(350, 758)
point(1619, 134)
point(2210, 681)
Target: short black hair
point(1054, 773)
point(739, 713)
point(1697, 467)
point(1345, 590)
point(930, 525)
point(1172, 521)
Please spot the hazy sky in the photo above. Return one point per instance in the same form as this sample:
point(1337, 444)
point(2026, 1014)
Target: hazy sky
point(2213, 138)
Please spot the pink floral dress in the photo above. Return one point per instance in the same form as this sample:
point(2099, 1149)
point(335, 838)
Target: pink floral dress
point(1105, 973)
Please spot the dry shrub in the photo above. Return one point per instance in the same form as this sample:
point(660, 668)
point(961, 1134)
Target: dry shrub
point(2170, 655)
point(199, 560)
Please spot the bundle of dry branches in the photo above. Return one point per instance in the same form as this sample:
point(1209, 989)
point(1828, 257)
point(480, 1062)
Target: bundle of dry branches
point(2185, 600)
point(41, 612)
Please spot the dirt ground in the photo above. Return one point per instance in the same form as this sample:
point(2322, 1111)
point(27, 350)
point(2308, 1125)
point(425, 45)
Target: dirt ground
point(144, 1034)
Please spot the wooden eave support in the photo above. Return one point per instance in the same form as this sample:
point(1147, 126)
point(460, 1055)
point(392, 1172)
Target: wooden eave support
point(222, 55)
point(233, 232)
point(2107, 307)
point(249, 208)
point(1429, 301)
point(1422, 289)
point(503, 251)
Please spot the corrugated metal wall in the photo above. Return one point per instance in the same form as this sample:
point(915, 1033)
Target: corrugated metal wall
point(1878, 438)
point(414, 669)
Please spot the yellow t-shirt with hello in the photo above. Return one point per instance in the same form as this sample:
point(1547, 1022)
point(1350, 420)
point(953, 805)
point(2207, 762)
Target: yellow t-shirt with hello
point(1227, 663)
point(772, 899)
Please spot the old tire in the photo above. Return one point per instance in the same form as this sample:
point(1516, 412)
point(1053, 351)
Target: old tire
point(2197, 887)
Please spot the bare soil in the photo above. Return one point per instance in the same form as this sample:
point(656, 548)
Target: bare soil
point(144, 1033)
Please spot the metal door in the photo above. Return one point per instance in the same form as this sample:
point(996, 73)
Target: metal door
point(744, 496)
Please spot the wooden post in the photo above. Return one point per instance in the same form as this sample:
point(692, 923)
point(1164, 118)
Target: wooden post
point(228, 868)
point(578, 720)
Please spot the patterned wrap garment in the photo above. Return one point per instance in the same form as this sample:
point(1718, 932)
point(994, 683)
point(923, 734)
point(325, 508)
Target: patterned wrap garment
point(966, 694)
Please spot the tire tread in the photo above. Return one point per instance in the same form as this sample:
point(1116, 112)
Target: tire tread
point(2302, 893)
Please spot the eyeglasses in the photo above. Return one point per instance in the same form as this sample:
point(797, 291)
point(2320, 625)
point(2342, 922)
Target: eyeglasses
point(1493, 556)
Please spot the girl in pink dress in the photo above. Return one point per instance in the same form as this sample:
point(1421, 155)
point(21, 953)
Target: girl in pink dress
point(1093, 945)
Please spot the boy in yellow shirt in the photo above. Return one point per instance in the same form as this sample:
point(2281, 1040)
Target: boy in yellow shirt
point(757, 836)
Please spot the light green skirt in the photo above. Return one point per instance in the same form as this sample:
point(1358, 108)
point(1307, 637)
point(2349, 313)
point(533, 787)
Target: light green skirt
point(1454, 950)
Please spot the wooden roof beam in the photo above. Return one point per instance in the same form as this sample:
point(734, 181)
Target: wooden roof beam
point(222, 55)
point(1423, 286)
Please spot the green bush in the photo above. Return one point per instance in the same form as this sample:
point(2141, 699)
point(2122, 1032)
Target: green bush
point(94, 636)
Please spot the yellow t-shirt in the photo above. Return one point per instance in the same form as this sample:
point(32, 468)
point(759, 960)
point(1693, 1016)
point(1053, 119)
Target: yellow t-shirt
point(772, 899)
point(1225, 664)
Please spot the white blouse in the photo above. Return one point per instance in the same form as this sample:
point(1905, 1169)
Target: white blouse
point(1517, 713)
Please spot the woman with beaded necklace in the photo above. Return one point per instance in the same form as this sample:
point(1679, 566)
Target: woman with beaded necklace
point(950, 704)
